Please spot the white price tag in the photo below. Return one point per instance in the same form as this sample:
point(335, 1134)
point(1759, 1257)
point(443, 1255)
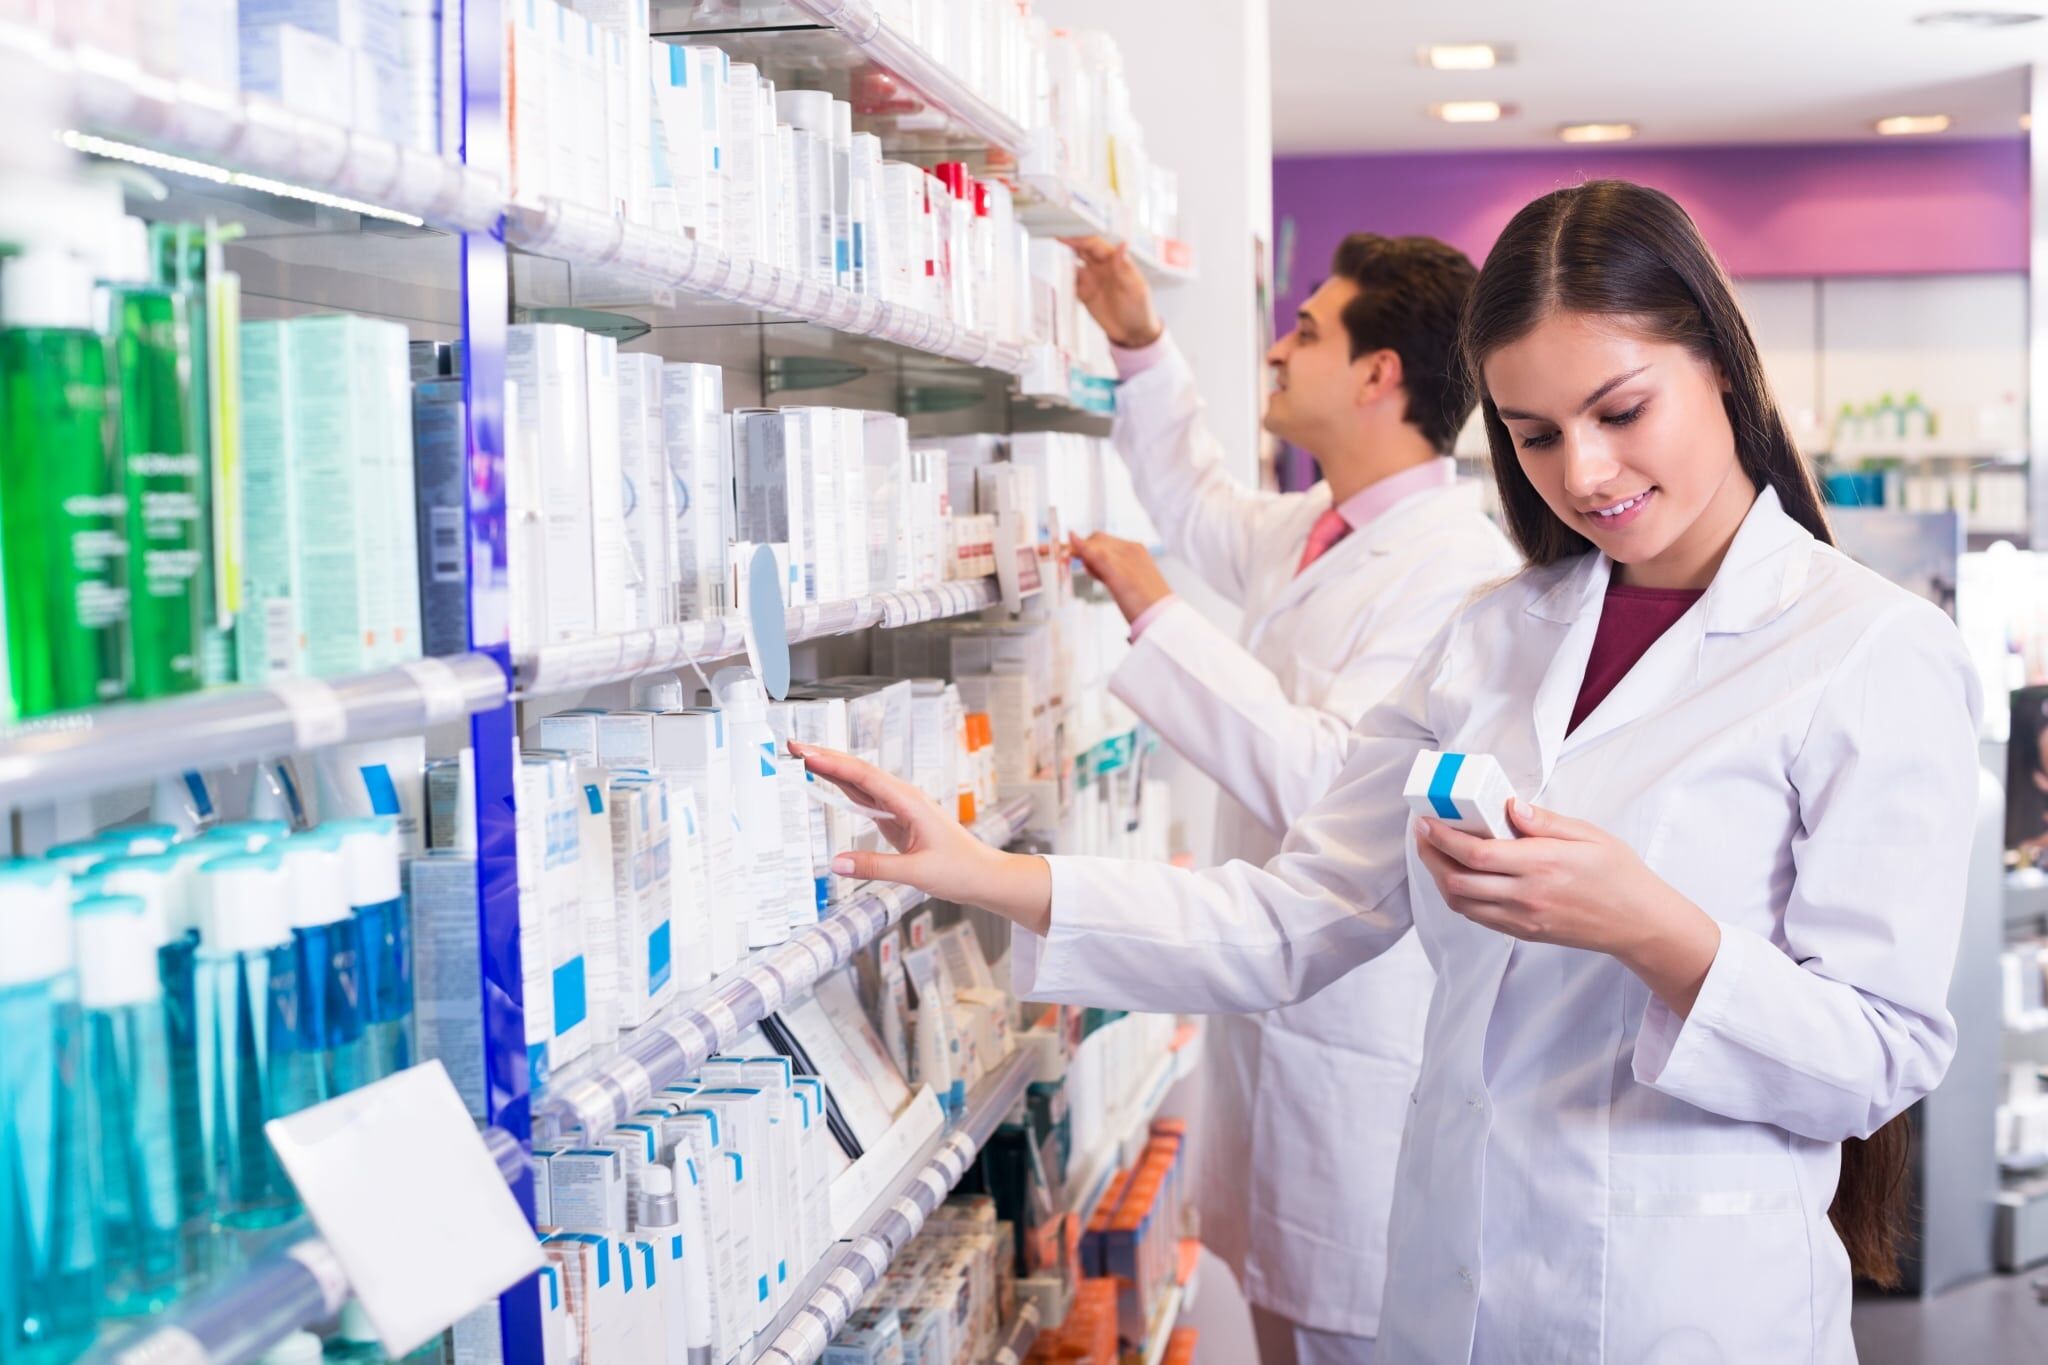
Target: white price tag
point(769, 982)
point(725, 1025)
point(934, 1182)
point(633, 1079)
point(907, 1209)
point(811, 1336)
point(170, 1346)
point(847, 1284)
point(440, 687)
point(318, 717)
point(874, 1252)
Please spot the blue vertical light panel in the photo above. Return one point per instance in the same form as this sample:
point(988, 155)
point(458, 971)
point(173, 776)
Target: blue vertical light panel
point(485, 314)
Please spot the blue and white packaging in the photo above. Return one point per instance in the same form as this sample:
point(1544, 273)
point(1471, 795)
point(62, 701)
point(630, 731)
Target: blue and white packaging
point(1466, 791)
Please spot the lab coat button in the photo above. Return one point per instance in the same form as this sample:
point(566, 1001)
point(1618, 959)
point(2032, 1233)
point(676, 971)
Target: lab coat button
point(1478, 1103)
point(1465, 1276)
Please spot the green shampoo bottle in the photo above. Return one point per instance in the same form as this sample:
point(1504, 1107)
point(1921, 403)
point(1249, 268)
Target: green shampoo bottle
point(63, 538)
point(163, 475)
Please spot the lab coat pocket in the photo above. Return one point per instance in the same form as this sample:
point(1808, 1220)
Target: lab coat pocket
point(1708, 1260)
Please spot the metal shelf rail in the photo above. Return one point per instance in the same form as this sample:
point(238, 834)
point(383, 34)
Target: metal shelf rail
point(617, 658)
point(594, 1099)
point(127, 111)
point(73, 753)
point(860, 1262)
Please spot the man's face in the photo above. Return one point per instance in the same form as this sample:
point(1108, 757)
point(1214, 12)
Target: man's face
point(1314, 385)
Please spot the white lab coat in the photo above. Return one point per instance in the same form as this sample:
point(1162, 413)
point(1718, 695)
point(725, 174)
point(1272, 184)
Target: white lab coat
point(1295, 1200)
point(1585, 1176)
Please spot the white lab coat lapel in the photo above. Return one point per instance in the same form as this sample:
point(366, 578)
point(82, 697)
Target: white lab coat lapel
point(1573, 609)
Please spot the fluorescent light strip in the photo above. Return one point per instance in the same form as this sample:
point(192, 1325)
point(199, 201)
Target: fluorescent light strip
point(180, 165)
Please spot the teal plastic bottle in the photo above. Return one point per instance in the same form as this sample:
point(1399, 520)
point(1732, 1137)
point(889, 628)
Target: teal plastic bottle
point(246, 1007)
point(370, 847)
point(133, 1146)
point(330, 1054)
point(63, 540)
point(49, 1287)
point(163, 883)
point(163, 475)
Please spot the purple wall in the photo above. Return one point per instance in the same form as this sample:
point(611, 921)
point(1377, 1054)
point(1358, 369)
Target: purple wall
point(1880, 208)
point(1855, 209)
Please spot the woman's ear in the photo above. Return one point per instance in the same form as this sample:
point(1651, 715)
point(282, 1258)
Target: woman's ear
point(1721, 378)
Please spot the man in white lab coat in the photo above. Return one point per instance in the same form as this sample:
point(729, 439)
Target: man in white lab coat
point(1341, 588)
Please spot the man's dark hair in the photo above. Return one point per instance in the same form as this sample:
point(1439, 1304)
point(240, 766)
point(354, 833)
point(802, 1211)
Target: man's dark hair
point(1411, 292)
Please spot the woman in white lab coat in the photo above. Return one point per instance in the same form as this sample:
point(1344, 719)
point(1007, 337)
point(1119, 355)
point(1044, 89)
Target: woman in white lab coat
point(1720, 948)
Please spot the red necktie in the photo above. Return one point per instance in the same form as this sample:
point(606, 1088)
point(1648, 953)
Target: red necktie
point(1330, 528)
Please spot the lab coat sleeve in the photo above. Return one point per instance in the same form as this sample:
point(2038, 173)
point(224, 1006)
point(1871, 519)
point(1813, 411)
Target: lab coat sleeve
point(1238, 938)
point(1846, 1024)
point(1178, 471)
point(1217, 705)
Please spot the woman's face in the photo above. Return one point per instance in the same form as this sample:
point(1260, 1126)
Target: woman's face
point(1626, 439)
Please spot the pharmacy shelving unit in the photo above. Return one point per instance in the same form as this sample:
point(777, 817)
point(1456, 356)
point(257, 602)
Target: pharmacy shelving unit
point(1124, 1135)
point(354, 222)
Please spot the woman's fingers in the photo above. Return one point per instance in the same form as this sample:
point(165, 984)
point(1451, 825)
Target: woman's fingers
point(876, 867)
point(867, 784)
point(1459, 882)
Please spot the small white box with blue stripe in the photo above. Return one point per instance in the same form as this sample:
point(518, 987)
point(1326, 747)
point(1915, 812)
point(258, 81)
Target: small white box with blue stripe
point(1466, 791)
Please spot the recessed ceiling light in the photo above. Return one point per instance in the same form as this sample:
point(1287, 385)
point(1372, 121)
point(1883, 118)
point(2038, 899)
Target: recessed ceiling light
point(1596, 132)
point(1912, 125)
point(1980, 18)
point(1466, 56)
point(1471, 111)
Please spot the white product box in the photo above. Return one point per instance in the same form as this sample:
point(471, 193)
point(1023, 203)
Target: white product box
point(850, 498)
point(693, 749)
point(297, 68)
point(695, 434)
point(686, 152)
point(712, 74)
point(793, 247)
point(562, 973)
point(743, 1119)
point(614, 602)
point(819, 456)
point(809, 115)
point(649, 518)
point(530, 73)
point(885, 441)
point(689, 880)
point(546, 363)
point(747, 197)
point(772, 1078)
point(842, 193)
point(870, 233)
point(768, 490)
point(641, 892)
point(1016, 714)
point(587, 1191)
point(1466, 791)
point(597, 904)
point(727, 1203)
point(447, 989)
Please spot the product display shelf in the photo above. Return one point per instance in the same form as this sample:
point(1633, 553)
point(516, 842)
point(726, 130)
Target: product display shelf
point(1018, 1339)
point(122, 110)
point(856, 1265)
point(847, 34)
point(78, 752)
point(616, 658)
point(587, 238)
point(296, 1287)
point(1163, 1323)
point(1086, 1190)
point(1049, 207)
point(593, 1097)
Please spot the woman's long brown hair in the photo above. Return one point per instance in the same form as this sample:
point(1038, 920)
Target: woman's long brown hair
point(1621, 250)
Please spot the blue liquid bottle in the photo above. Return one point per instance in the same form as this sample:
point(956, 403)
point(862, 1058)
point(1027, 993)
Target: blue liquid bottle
point(165, 883)
point(370, 848)
point(246, 1004)
point(49, 1283)
point(132, 1146)
point(330, 1055)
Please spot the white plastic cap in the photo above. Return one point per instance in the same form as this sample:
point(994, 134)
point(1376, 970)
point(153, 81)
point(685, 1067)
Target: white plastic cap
point(35, 931)
point(810, 110)
point(46, 287)
point(124, 257)
point(153, 883)
point(369, 849)
point(242, 903)
point(300, 1348)
point(657, 1180)
point(662, 692)
point(318, 873)
point(738, 692)
point(842, 123)
point(116, 953)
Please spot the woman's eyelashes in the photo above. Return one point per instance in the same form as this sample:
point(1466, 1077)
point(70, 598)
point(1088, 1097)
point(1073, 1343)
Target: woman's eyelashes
point(1618, 419)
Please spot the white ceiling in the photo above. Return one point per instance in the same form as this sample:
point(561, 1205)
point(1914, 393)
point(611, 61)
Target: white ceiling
point(1346, 78)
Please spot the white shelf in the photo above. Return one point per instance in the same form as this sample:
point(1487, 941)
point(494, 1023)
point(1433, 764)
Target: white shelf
point(617, 658)
point(586, 237)
point(1049, 207)
point(77, 752)
point(837, 1284)
point(594, 1095)
point(252, 141)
